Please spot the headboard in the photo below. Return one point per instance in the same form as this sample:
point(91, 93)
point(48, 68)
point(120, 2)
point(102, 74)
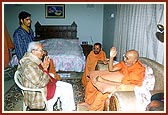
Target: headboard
point(55, 31)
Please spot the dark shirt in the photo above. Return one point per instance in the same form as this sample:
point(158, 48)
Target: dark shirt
point(21, 39)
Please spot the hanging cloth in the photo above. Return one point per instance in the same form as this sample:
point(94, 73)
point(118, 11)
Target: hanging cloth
point(8, 44)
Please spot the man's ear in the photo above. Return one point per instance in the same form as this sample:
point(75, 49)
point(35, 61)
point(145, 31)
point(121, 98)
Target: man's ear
point(135, 60)
point(33, 51)
point(21, 20)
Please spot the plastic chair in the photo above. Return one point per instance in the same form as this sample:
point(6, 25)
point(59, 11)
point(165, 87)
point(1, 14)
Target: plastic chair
point(18, 81)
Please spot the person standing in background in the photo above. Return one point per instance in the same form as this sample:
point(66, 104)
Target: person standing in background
point(23, 35)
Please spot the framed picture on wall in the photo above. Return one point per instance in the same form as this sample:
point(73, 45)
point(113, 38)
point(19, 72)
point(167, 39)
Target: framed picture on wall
point(55, 11)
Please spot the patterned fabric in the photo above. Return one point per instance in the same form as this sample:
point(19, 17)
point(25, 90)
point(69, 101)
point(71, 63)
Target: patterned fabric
point(21, 39)
point(149, 79)
point(33, 77)
point(66, 54)
point(63, 52)
point(143, 96)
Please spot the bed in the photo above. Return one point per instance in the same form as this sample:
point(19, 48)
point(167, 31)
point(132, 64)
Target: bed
point(62, 45)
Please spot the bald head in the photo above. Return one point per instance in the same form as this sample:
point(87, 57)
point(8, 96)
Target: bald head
point(133, 53)
point(131, 57)
point(155, 105)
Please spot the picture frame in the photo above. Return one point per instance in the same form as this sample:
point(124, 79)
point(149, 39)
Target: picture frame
point(55, 10)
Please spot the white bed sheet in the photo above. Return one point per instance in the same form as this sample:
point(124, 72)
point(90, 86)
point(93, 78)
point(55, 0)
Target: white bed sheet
point(67, 54)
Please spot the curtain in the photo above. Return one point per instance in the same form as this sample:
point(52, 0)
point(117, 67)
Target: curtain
point(136, 27)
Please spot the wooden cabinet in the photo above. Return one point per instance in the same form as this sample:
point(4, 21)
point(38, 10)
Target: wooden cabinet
point(86, 49)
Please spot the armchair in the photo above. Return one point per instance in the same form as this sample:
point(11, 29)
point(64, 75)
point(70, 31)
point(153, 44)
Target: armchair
point(126, 100)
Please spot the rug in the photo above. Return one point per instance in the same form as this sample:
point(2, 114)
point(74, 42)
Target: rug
point(13, 98)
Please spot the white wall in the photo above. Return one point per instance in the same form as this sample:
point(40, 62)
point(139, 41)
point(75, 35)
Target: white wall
point(89, 18)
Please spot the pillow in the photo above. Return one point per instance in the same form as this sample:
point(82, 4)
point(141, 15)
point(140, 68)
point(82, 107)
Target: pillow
point(149, 78)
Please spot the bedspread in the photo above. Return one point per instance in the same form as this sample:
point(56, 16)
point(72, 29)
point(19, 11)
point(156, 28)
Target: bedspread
point(67, 54)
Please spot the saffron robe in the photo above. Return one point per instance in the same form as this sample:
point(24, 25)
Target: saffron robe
point(52, 70)
point(91, 63)
point(133, 75)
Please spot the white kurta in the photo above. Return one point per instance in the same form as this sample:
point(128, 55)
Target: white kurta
point(64, 91)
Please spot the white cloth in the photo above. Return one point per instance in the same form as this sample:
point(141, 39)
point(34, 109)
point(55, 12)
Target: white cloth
point(143, 97)
point(142, 93)
point(65, 92)
point(14, 61)
point(149, 79)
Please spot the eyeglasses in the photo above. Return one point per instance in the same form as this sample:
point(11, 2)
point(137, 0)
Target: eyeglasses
point(125, 57)
point(40, 50)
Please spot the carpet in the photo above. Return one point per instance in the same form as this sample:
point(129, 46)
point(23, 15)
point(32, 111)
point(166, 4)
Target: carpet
point(13, 97)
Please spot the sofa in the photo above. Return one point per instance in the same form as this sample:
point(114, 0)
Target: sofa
point(126, 100)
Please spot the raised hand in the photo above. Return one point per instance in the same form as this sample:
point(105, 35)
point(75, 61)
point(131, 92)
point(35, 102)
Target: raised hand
point(113, 52)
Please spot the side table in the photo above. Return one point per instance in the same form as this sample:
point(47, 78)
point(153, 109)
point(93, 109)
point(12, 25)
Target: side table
point(86, 49)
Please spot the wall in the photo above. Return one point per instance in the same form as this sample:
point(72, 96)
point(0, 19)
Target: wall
point(108, 27)
point(89, 18)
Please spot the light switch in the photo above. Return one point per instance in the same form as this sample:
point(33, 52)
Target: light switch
point(112, 15)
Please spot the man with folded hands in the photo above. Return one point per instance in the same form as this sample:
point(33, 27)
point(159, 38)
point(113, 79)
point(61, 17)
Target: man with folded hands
point(35, 74)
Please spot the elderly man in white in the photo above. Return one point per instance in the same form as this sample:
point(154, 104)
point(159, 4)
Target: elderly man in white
point(35, 74)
